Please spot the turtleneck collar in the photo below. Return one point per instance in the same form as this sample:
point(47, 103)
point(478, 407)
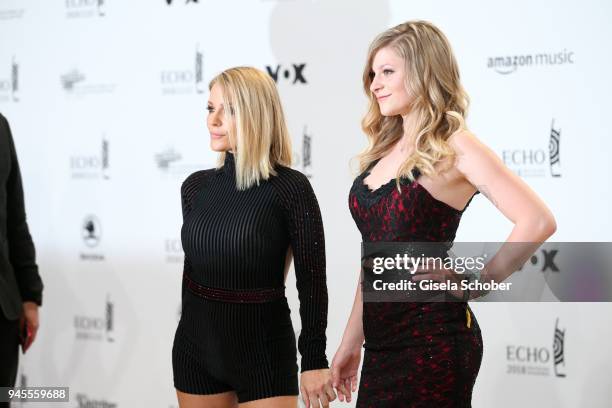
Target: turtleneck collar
point(229, 165)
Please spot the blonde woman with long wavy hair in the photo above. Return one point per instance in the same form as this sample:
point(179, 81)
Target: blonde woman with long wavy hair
point(419, 172)
point(243, 222)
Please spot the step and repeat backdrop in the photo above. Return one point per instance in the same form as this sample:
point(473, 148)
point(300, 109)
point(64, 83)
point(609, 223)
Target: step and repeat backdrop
point(107, 100)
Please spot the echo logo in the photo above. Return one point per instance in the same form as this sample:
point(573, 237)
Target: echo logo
point(526, 354)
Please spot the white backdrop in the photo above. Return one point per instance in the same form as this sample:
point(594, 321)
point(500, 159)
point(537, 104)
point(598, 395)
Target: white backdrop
point(106, 100)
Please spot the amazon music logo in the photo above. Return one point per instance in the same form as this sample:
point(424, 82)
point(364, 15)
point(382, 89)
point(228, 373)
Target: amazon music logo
point(97, 327)
point(187, 80)
point(509, 64)
point(9, 83)
point(85, 8)
point(538, 360)
point(293, 74)
point(537, 161)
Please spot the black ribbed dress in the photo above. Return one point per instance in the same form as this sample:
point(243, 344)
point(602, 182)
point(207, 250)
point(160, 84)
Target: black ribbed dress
point(236, 241)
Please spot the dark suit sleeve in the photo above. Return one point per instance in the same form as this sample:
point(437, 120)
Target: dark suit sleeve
point(21, 248)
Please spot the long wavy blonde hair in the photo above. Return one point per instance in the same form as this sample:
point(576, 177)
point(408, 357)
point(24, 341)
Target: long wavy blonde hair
point(439, 101)
point(260, 139)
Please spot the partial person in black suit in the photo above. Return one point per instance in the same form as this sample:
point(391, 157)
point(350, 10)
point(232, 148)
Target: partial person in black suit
point(20, 284)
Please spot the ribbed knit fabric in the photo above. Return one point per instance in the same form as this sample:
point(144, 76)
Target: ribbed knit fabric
point(248, 348)
point(238, 240)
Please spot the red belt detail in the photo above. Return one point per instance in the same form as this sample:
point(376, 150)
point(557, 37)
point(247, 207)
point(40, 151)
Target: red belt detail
point(235, 296)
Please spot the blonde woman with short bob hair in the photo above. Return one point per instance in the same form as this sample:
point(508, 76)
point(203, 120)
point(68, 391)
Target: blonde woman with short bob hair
point(259, 133)
point(243, 221)
point(418, 174)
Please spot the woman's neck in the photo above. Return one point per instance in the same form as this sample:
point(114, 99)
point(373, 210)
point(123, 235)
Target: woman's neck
point(406, 143)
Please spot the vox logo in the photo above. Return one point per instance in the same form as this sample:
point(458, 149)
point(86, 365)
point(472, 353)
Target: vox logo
point(294, 73)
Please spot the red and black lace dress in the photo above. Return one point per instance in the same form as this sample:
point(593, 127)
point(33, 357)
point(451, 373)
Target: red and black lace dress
point(416, 354)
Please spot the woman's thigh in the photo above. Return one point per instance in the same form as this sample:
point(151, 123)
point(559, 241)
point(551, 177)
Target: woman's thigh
point(274, 402)
point(222, 400)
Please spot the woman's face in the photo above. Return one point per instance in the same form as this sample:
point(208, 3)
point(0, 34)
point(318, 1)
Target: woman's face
point(388, 83)
point(218, 126)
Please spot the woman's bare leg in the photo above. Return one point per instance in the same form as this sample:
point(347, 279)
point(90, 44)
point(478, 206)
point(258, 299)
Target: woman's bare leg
point(274, 402)
point(222, 400)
